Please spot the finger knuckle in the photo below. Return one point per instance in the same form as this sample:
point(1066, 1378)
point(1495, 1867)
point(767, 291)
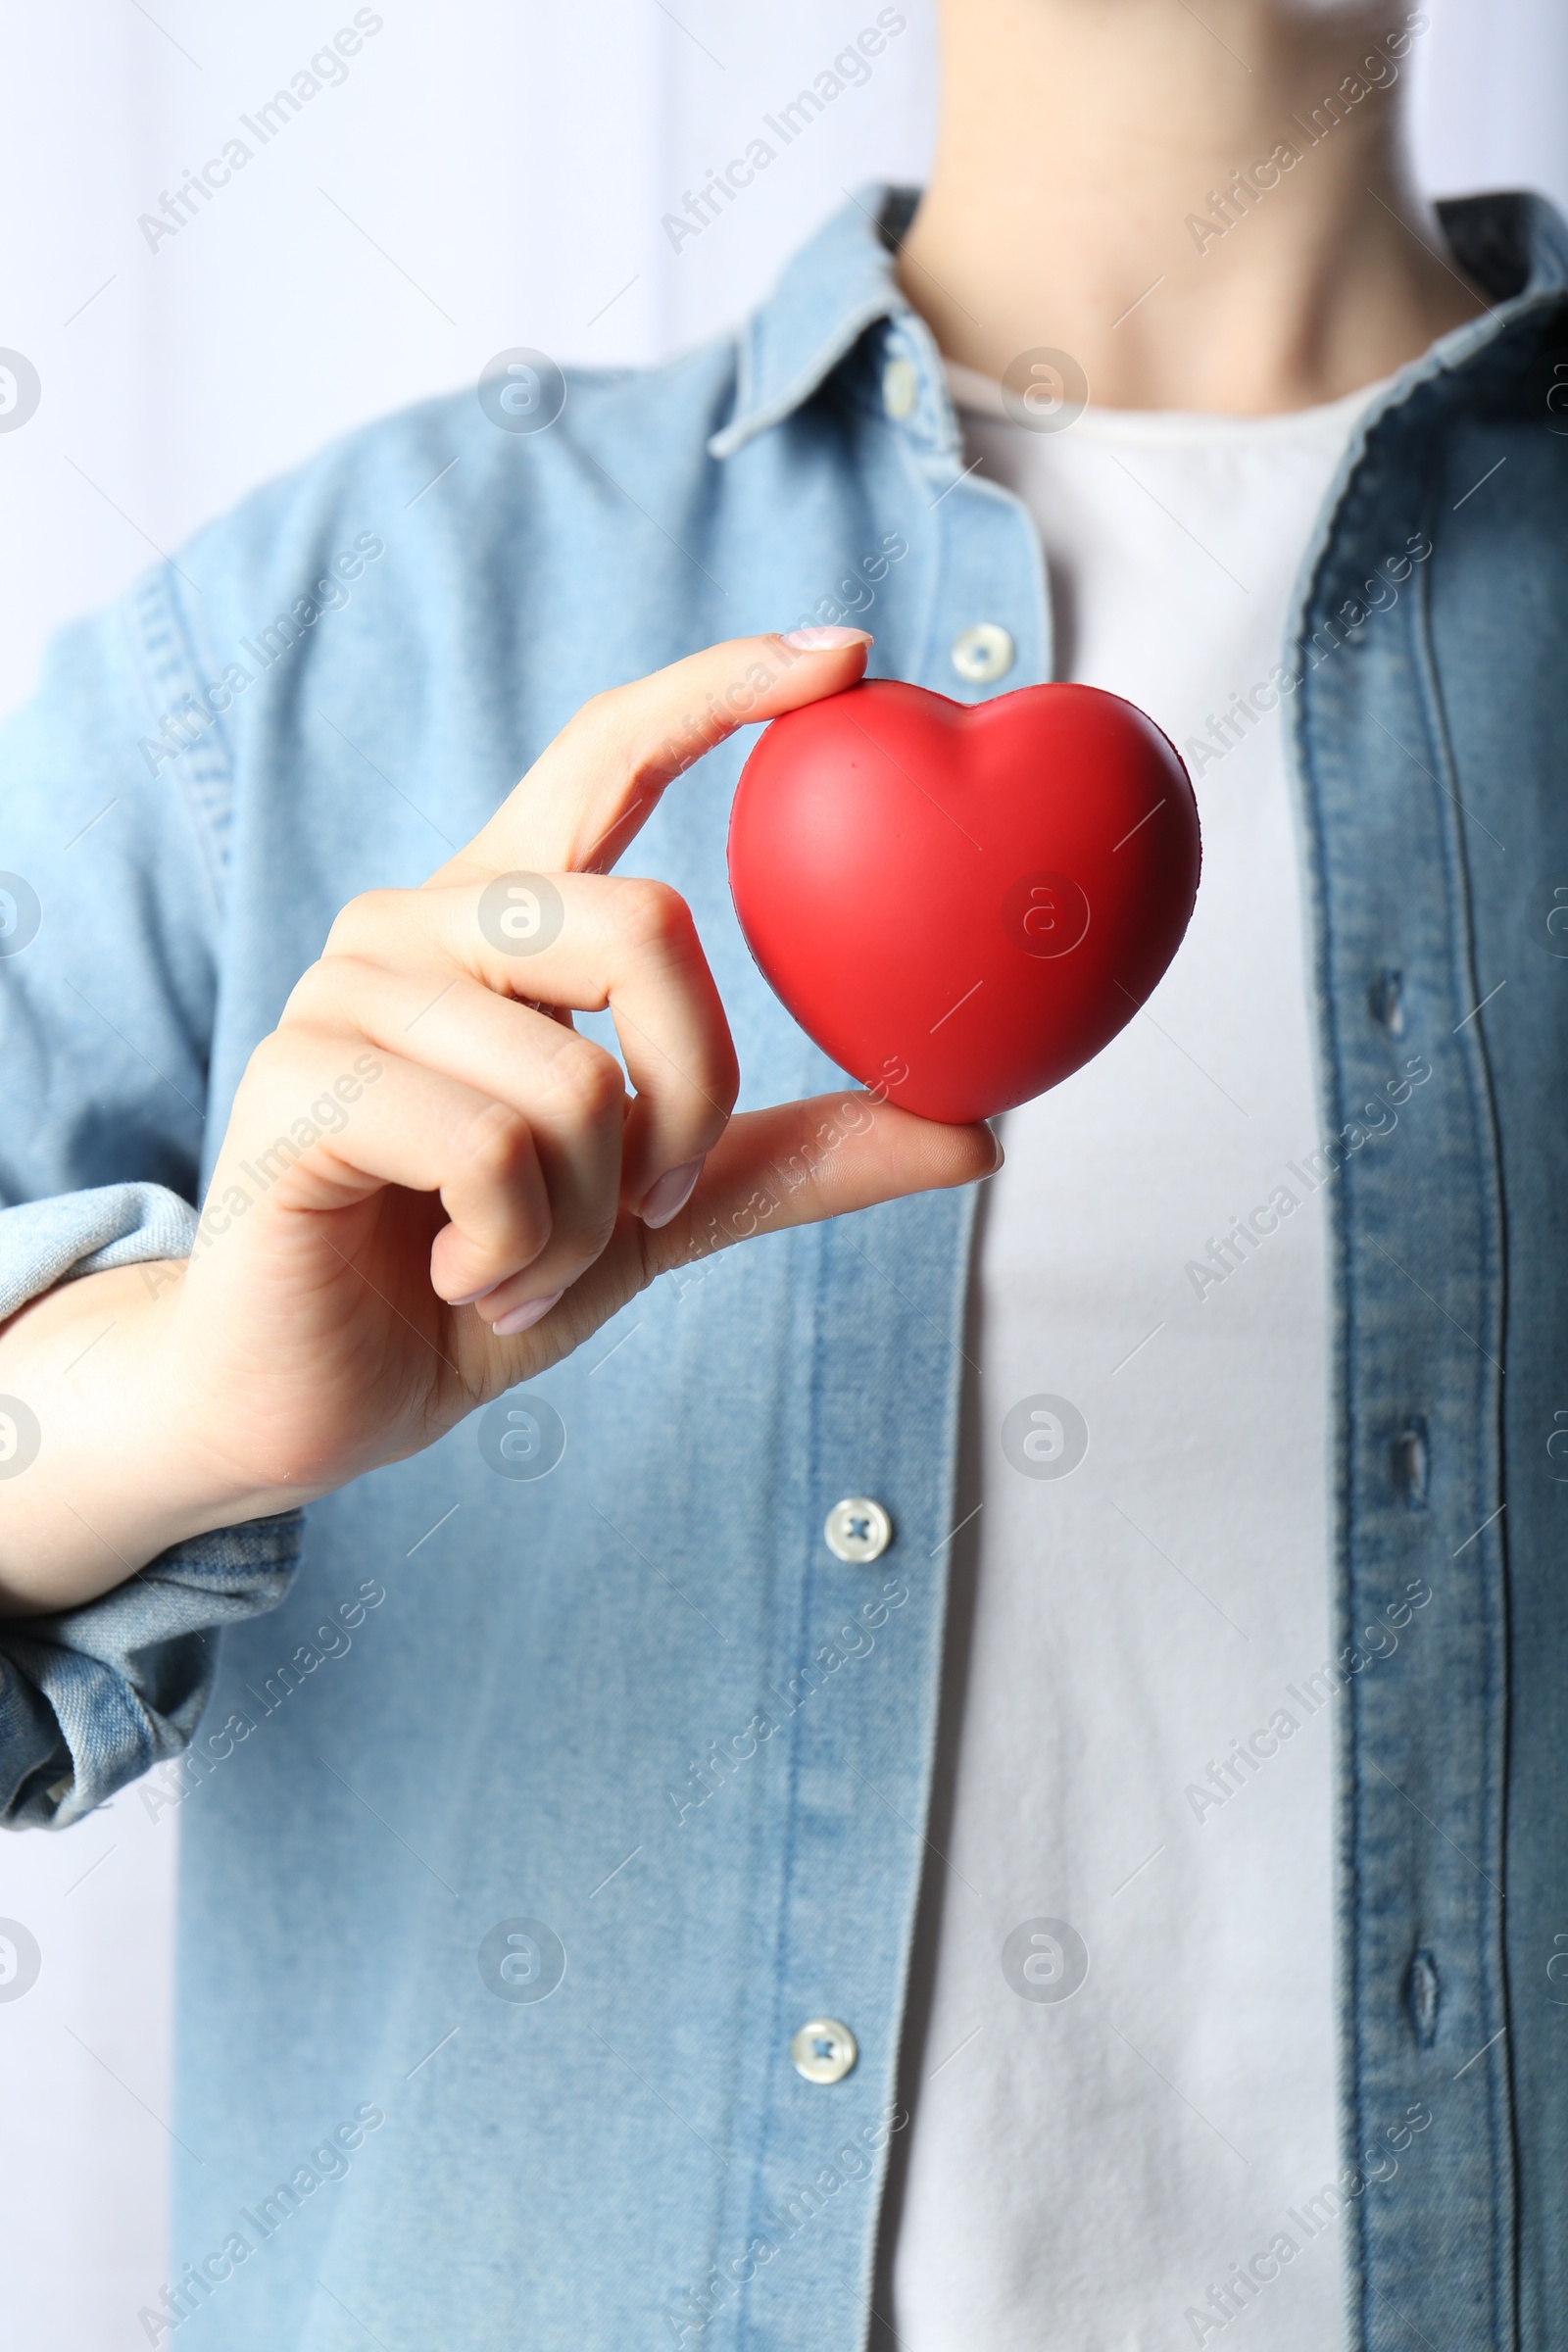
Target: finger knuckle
point(707, 1100)
point(724, 1085)
point(603, 727)
point(615, 724)
point(718, 1077)
point(585, 1082)
point(365, 920)
point(498, 1144)
point(652, 915)
point(329, 990)
point(285, 1055)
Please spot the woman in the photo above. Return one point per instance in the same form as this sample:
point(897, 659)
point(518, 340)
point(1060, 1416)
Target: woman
point(564, 1953)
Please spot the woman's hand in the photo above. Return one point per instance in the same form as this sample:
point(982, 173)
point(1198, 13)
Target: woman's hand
point(431, 1186)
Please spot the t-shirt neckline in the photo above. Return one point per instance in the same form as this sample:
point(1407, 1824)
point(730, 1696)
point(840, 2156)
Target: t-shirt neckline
point(977, 395)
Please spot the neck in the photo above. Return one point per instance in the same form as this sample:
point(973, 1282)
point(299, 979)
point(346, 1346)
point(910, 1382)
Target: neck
point(1214, 216)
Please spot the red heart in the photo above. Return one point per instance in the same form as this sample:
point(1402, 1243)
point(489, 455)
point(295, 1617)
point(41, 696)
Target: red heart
point(961, 905)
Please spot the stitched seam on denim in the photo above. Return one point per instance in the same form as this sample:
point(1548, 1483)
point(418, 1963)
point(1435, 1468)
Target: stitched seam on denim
point(1521, 313)
point(132, 1750)
point(930, 1701)
point(934, 552)
point(1429, 379)
point(804, 383)
point(780, 2031)
point(1482, 1106)
point(1348, 1823)
point(202, 773)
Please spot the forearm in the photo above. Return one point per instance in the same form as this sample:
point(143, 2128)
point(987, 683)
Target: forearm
point(98, 1474)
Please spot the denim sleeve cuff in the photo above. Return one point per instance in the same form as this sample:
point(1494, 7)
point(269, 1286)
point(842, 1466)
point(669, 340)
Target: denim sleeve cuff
point(45, 1242)
point(95, 1697)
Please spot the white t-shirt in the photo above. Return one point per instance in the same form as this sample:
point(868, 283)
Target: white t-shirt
point(1113, 2116)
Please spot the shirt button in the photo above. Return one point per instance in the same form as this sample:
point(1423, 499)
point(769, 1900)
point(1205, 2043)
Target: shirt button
point(983, 653)
point(824, 2051)
point(901, 389)
point(857, 1529)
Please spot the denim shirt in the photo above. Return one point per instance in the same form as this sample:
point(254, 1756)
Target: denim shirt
point(542, 1786)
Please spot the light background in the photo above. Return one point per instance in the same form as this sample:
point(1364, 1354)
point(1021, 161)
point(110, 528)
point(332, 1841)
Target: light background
point(488, 175)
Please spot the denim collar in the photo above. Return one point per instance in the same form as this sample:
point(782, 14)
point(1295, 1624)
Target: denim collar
point(1515, 246)
point(833, 289)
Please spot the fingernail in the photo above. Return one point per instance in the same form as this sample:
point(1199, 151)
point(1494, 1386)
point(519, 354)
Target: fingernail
point(670, 1195)
point(823, 641)
point(524, 1317)
point(471, 1297)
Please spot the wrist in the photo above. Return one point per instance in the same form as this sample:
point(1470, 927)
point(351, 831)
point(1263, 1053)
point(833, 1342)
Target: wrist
point(122, 1466)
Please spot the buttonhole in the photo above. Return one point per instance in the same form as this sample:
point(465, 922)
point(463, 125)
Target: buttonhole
point(1386, 1000)
point(1421, 1995)
point(1412, 1463)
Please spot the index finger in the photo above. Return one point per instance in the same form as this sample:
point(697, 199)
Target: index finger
point(593, 789)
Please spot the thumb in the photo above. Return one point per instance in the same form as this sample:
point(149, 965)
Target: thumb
point(799, 1162)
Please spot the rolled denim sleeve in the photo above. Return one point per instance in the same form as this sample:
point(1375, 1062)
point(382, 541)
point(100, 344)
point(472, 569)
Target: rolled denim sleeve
point(45, 1242)
point(95, 1697)
point(111, 917)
